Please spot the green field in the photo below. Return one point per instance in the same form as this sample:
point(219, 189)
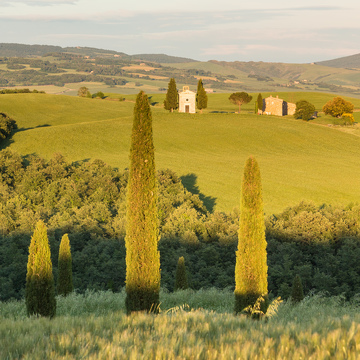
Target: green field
point(298, 160)
point(192, 325)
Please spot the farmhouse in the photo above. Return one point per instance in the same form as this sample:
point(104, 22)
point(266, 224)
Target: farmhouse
point(187, 100)
point(276, 106)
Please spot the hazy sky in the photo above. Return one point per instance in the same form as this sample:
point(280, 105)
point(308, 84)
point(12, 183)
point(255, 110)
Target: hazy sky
point(258, 30)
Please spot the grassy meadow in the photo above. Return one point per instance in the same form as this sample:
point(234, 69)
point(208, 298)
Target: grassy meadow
point(191, 325)
point(298, 160)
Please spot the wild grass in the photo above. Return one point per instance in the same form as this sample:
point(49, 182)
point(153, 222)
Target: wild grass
point(298, 160)
point(95, 326)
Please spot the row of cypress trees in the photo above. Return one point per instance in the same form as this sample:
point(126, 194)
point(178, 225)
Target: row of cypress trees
point(142, 235)
point(171, 102)
point(40, 287)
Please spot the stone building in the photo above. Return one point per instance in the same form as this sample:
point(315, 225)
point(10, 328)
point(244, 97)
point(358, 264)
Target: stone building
point(187, 101)
point(276, 106)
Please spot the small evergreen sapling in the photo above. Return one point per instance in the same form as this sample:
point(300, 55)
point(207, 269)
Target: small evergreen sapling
point(181, 281)
point(40, 288)
point(65, 282)
point(251, 256)
point(297, 293)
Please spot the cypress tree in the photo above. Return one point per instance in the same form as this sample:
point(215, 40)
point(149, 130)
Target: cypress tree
point(259, 102)
point(201, 97)
point(251, 264)
point(142, 233)
point(297, 293)
point(40, 288)
point(171, 101)
point(181, 282)
point(65, 282)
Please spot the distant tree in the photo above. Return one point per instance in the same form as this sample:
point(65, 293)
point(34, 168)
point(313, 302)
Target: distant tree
point(201, 97)
point(304, 110)
point(337, 107)
point(259, 102)
point(348, 119)
point(171, 100)
point(99, 94)
point(65, 282)
point(297, 293)
point(181, 282)
point(83, 91)
point(251, 256)
point(40, 288)
point(142, 231)
point(240, 98)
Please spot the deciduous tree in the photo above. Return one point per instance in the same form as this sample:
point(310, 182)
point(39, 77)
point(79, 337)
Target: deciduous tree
point(65, 282)
point(304, 110)
point(240, 98)
point(251, 257)
point(171, 101)
point(337, 107)
point(40, 288)
point(142, 232)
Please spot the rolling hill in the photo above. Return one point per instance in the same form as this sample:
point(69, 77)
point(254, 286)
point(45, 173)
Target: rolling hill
point(346, 62)
point(298, 160)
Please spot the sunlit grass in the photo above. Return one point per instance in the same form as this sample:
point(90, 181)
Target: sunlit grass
point(95, 326)
point(298, 160)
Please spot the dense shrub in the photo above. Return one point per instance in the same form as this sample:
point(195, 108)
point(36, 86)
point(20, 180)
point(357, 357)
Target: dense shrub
point(87, 201)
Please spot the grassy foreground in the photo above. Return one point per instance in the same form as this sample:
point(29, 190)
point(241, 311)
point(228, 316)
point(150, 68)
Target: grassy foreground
point(95, 326)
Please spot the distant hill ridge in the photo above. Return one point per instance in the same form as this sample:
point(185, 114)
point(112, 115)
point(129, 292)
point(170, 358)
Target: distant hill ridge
point(22, 50)
point(352, 62)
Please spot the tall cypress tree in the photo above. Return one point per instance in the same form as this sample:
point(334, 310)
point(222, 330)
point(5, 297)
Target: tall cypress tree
point(251, 263)
point(171, 101)
point(65, 282)
point(181, 282)
point(259, 102)
point(201, 97)
point(297, 293)
point(40, 288)
point(142, 232)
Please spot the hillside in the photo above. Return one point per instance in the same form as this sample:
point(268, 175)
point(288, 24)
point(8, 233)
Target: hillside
point(350, 62)
point(298, 160)
point(61, 70)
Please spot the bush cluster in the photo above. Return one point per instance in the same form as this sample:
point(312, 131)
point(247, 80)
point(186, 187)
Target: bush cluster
point(87, 201)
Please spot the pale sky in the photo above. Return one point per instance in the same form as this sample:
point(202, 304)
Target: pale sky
point(272, 31)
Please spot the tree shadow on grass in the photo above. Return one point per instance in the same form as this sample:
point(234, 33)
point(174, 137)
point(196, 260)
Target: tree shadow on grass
point(4, 143)
point(189, 181)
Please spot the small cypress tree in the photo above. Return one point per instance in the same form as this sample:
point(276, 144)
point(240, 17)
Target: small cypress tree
point(181, 282)
point(65, 282)
point(259, 102)
point(251, 262)
point(40, 288)
point(201, 97)
point(172, 98)
point(297, 293)
point(142, 232)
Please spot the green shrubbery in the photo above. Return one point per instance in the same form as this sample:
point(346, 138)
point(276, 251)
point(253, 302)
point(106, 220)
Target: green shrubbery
point(87, 201)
